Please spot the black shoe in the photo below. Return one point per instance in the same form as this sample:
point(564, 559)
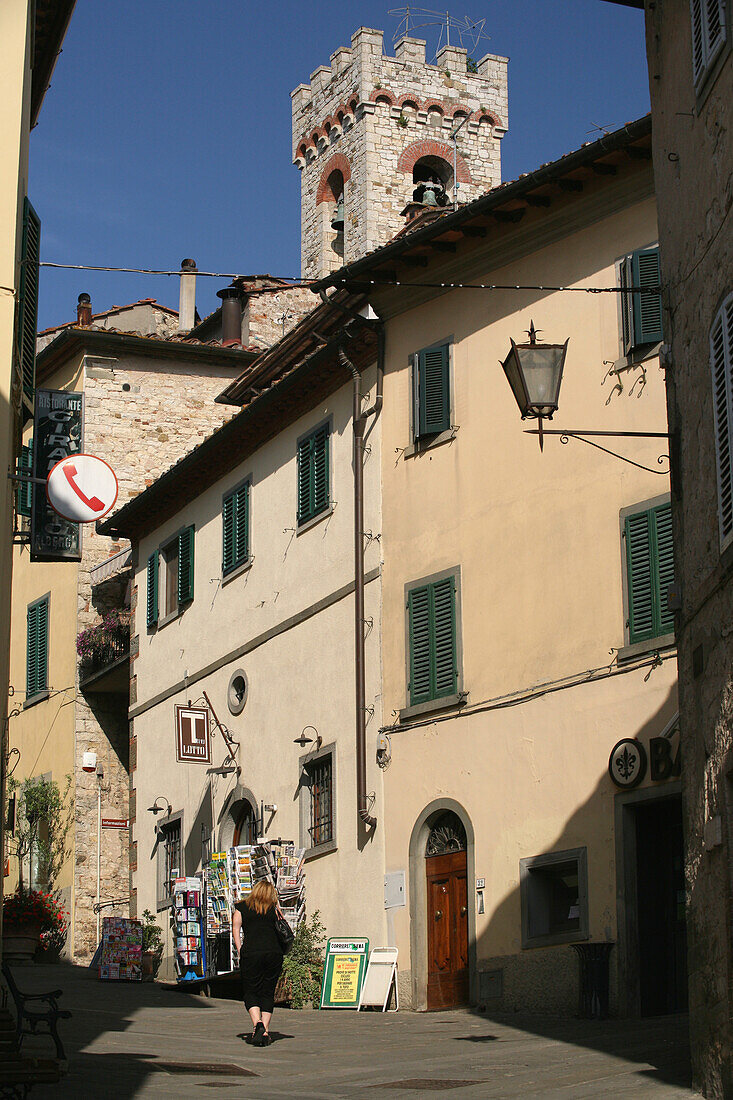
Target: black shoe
point(258, 1035)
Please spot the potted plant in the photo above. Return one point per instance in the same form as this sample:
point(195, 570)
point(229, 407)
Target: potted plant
point(54, 931)
point(302, 973)
point(27, 913)
point(152, 946)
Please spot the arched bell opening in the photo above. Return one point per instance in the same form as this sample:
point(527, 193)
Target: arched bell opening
point(432, 179)
point(336, 187)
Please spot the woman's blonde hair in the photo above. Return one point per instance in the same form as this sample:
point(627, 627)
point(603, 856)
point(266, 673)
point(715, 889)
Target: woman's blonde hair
point(262, 898)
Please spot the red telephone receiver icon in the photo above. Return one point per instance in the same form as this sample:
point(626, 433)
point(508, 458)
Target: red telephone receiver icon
point(94, 503)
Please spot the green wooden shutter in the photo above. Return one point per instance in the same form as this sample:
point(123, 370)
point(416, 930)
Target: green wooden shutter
point(320, 470)
point(650, 565)
point(313, 474)
point(305, 480)
point(227, 523)
point(28, 298)
point(36, 649)
point(721, 365)
point(434, 391)
point(664, 563)
point(24, 492)
point(418, 604)
point(185, 566)
point(152, 589)
point(627, 306)
point(241, 524)
point(443, 611)
point(639, 566)
point(646, 272)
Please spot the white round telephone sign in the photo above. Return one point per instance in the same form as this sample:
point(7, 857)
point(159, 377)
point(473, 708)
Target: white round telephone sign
point(82, 488)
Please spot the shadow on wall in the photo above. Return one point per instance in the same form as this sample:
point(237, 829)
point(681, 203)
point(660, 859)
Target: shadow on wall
point(545, 979)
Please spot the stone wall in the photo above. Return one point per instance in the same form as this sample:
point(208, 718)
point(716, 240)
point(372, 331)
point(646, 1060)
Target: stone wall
point(167, 409)
point(693, 153)
point(267, 317)
point(370, 117)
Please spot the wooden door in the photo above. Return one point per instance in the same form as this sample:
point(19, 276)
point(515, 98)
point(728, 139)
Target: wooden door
point(447, 894)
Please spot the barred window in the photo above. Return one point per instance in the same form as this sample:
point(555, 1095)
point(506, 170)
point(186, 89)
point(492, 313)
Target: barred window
point(320, 787)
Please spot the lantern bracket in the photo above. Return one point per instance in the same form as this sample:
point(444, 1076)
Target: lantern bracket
point(566, 435)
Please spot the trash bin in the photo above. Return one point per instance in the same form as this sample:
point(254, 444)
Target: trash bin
point(594, 976)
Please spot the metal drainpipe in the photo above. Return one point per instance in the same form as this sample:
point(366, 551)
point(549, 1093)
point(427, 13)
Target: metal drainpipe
point(360, 679)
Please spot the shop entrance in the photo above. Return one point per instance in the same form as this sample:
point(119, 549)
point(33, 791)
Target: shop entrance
point(660, 895)
point(447, 913)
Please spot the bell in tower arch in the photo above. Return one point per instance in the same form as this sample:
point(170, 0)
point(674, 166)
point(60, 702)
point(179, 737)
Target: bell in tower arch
point(337, 221)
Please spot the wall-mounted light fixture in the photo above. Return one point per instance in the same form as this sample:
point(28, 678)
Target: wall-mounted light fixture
point(303, 740)
point(156, 809)
point(534, 371)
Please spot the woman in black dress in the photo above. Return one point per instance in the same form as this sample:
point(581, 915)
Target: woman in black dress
point(260, 956)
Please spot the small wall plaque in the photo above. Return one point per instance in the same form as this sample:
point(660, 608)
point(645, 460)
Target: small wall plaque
point(193, 744)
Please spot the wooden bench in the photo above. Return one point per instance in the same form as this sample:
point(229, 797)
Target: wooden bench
point(30, 1012)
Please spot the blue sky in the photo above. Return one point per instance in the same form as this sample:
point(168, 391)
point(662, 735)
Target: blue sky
point(166, 131)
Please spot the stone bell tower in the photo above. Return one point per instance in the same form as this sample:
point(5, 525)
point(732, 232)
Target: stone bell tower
point(369, 129)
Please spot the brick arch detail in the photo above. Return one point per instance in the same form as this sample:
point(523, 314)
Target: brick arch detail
point(409, 97)
point(382, 93)
point(428, 148)
point(337, 163)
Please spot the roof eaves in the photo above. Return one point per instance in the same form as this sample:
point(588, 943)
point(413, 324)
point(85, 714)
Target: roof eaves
point(619, 139)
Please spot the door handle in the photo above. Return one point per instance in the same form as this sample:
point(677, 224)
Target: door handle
point(438, 914)
point(464, 910)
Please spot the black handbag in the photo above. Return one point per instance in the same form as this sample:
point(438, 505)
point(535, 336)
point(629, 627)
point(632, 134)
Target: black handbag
point(284, 933)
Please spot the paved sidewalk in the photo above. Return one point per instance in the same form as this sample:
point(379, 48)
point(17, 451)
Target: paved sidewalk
point(144, 1041)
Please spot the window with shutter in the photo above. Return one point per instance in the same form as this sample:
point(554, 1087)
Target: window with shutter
point(721, 365)
point(37, 648)
point(185, 566)
point(235, 528)
point(433, 660)
point(313, 474)
point(28, 299)
point(641, 313)
point(24, 492)
point(152, 589)
point(431, 382)
point(650, 572)
point(709, 33)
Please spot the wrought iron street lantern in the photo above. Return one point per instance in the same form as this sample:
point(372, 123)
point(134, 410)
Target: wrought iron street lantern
point(534, 372)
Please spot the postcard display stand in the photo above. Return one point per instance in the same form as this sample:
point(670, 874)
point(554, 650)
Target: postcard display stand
point(122, 950)
point(190, 954)
point(230, 877)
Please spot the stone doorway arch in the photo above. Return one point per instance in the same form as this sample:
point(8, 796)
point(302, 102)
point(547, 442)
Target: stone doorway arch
point(421, 834)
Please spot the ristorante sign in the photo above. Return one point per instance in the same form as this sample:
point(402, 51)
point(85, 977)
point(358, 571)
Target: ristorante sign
point(58, 432)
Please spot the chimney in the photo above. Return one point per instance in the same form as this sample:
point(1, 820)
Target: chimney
point(84, 310)
point(187, 299)
point(231, 316)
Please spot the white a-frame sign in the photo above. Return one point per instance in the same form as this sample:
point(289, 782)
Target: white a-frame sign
point(380, 980)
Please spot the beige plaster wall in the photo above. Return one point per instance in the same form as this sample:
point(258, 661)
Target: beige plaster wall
point(537, 539)
point(14, 133)
point(300, 677)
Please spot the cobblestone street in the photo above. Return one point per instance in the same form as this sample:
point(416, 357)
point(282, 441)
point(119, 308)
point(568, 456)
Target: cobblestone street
point(130, 1040)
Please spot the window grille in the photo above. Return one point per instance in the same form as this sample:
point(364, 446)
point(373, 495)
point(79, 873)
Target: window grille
point(321, 801)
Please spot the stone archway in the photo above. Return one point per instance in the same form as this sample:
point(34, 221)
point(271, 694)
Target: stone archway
point(419, 897)
point(232, 812)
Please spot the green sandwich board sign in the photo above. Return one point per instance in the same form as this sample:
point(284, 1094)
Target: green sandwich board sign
point(343, 973)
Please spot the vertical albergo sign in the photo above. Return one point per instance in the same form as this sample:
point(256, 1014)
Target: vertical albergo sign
point(58, 432)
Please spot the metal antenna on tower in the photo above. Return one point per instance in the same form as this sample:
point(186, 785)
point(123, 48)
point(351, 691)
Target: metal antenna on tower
point(469, 31)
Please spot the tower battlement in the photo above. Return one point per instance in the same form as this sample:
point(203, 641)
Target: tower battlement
point(368, 128)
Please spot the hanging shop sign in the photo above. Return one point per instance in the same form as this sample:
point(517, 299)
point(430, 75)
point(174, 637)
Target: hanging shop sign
point(82, 488)
point(58, 433)
point(629, 761)
point(193, 743)
point(343, 973)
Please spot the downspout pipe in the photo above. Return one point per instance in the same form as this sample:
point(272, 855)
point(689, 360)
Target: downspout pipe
point(359, 423)
point(378, 327)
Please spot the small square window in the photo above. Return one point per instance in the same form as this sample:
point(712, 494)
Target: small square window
point(554, 893)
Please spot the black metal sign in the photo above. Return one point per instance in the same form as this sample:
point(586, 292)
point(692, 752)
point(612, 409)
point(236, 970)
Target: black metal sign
point(58, 432)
